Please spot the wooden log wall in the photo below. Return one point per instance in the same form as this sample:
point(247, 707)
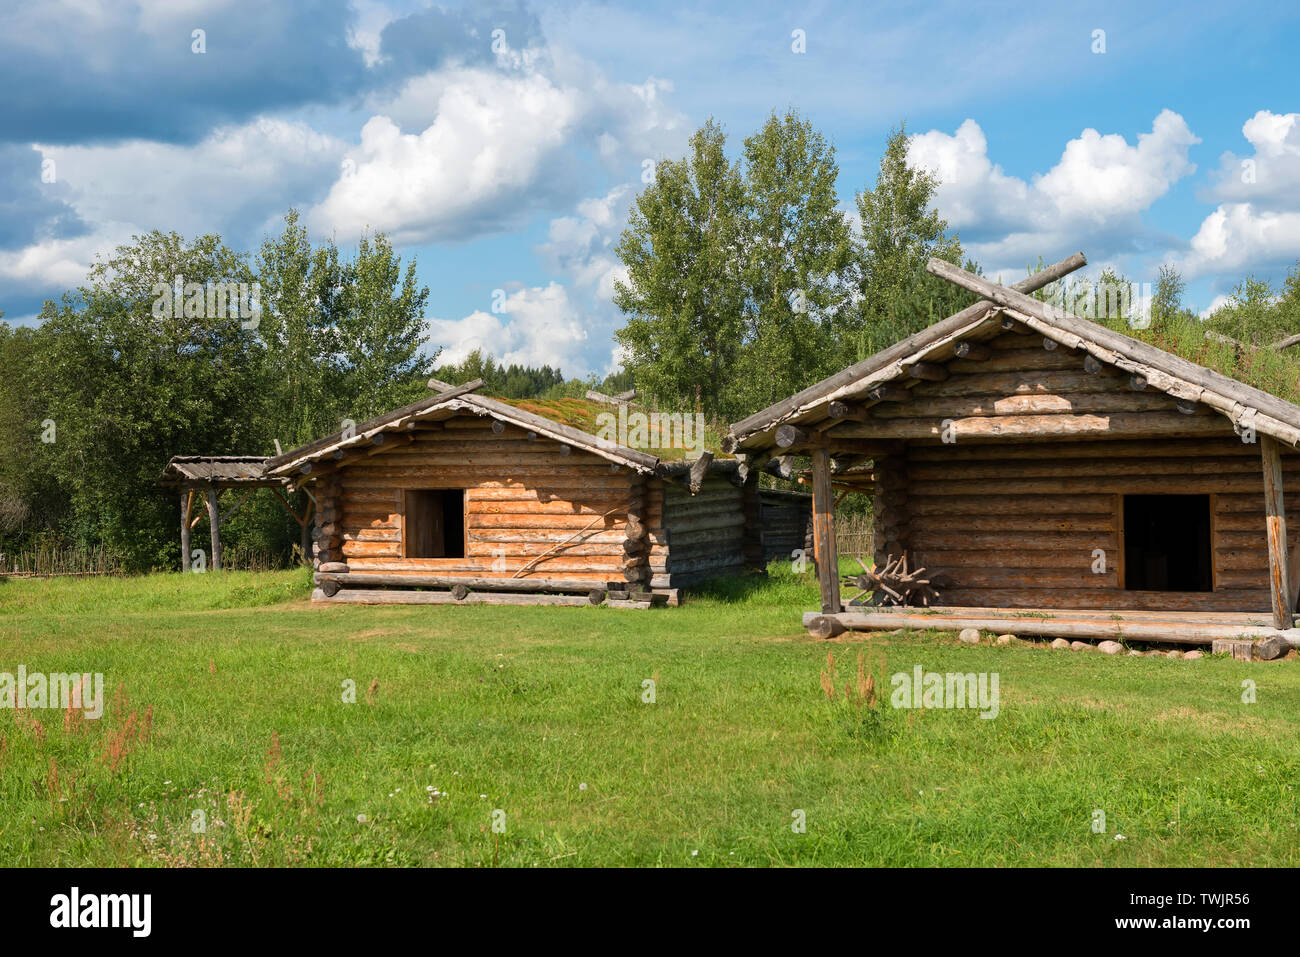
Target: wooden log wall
point(704, 533)
point(784, 521)
point(1016, 524)
point(327, 536)
point(527, 498)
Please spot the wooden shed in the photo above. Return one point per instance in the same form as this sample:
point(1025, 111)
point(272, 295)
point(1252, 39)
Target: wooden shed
point(461, 498)
point(1048, 476)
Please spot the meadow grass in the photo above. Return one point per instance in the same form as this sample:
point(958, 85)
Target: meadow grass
point(224, 696)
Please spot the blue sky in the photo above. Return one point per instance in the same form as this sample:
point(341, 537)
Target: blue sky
point(502, 143)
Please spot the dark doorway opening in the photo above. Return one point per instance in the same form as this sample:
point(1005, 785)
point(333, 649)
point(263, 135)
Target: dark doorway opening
point(1167, 543)
point(434, 526)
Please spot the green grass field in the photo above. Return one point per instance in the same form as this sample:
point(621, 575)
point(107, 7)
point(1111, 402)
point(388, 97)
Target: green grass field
point(224, 696)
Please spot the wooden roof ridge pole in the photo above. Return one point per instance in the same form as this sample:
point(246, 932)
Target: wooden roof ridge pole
point(446, 390)
point(768, 417)
point(824, 551)
point(1279, 578)
point(451, 393)
point(623, 398)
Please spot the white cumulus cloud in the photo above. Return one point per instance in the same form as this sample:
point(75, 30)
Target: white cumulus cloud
point(1092, 198)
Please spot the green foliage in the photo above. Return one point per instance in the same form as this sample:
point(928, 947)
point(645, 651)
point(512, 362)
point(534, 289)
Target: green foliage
point(505, 382)
point(124, 383)
point(745, 283)
point(798, 254)
point(684, 298)
point(526, 705)
point(125, 389)
point(901, 231)
point(1255, 315)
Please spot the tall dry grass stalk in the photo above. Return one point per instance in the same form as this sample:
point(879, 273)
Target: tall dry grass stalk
point(861, 692)
point(50, 560)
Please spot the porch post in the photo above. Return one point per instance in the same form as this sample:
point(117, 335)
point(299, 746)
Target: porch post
point(187, 496)
point(824, 551)
point(305, 536)
point(1279, 578)
point(214, 521)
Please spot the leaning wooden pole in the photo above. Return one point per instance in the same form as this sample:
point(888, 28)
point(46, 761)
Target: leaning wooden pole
point(1279, 579)
point(826, 554)
point(186, 497)
point(214, 522)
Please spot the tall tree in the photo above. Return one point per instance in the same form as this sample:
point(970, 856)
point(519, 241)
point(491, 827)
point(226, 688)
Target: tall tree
point(126, 383)
point(301, 310)
point(798, 249)
point(684, 297)
point(381, 331)
point(1251, 315)
point(900, 231)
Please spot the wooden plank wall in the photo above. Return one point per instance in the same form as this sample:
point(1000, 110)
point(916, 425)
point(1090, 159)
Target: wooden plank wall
point(704, 534)
point(1016, 525)
point(523, 498)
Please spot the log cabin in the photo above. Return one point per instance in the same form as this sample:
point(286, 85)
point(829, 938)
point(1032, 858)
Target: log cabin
point(459, 498)
point(1043, 474)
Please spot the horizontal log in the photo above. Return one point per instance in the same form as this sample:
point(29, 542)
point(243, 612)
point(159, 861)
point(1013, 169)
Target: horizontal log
point(1075, 468)
point(974, 503)
point(379, 596)
point(441, 443)
point(1014, 524)
point(957, 558)
point(603, 553)
point(923, 538)
point(1181, 632)
point(1079, 577)
point(372, 549)
point(554, 494)
point(372, 535)
point(1021, 383)
point(1025, 360)
point(927, 371)
point(1199, 484)
point(1121, 424)
point(962, 406)
point(478, 507)
point(1208, 447)
point(528, 520)
point(364, 579)
point(482, 568)
point(700, 522)
point(1239, 600)
point(415, 457)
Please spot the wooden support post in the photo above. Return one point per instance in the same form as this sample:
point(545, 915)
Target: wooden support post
point(826, 554)
point(214, 523)
point(187, 498)
point(751, 507)
point(1279, 579)
point(305, 533)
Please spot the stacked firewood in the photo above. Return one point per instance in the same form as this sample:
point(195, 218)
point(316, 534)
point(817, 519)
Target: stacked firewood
point(895, 584)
